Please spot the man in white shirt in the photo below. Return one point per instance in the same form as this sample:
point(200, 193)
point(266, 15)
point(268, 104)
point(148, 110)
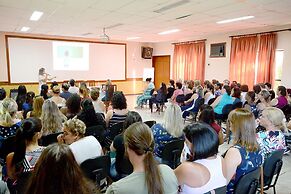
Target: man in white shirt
point(73, 89)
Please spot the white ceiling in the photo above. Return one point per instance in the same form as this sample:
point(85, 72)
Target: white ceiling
point(86, 18)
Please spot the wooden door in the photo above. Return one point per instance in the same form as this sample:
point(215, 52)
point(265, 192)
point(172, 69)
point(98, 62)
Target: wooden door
point(162, 70)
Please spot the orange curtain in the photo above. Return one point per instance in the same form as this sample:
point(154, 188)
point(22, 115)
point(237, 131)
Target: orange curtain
point(266, 58)
point(243, 59)
point(189, 61)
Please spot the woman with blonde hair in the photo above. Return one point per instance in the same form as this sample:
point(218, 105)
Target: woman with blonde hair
point(83, 147)
point(51, 118)
point(273, 119)
point(244, 156)
point(37, 107)
point(265, 97)
point(8, 121)
point(147, 176)
point(170, 129)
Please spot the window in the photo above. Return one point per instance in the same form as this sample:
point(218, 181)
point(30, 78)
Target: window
point(279, 56)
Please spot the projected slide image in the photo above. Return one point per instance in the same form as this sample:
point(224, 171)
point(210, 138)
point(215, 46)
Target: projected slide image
point(70, 56)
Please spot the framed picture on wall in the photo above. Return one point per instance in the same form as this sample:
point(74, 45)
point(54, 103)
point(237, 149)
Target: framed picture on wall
point(217, 49)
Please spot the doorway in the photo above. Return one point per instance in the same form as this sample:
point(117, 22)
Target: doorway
point(162, 70)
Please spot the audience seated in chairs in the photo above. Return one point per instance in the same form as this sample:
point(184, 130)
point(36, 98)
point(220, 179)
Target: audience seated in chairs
point(51, 118)
point(37, 107)
point(193, 104)
point(281, 100)
point(27, 105)
point(209, 93)
point(177, 92)
point(58, 172)
point(122, 166)
point(26, 153)
point(206, 115)
point(119, 112)
point(89, 116)
point(83, 147)
point(21, 96)
point(60, 102)
point(236, 94)
point(9, 122)
point(159, 99)
point(171, 89)
point(264, 98)
point(99, 106)
point(65, 91)
point(73, 89)
point(204, 170)
point(250, 103)
point(244, 156)
point(147, 94)
point(44, 91)
point(222, 100)
point(73, 105)
point(273, 120)
point(170, 129)
point(147, 176)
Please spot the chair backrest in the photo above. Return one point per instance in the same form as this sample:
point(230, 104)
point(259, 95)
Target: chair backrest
point(287, 111)
point(220, 190)
point(199, 102)
point(8, 146)
point(152, 91)
point(227, 109)
point(49, 139)
point(115, 130)
point(150, 123)
point(97, 168)
point(97, 131)
point(248, 183)
point(180, 98)
point(188, 96)
point(172, 152)
point(272, 167)
point(211, 101)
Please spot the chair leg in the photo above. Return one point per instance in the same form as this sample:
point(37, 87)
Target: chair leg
point(274, 189)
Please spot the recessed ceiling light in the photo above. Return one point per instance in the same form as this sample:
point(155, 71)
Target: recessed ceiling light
point(133, 38)
point(36, 15)
point(24, 29)
point(235, 19)
point(169, 31)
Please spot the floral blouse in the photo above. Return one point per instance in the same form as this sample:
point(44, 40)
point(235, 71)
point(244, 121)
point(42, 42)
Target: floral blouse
point(270, 141)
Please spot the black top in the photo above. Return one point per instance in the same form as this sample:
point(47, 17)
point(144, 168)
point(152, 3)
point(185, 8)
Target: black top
point(122, 164)
point(89, 122)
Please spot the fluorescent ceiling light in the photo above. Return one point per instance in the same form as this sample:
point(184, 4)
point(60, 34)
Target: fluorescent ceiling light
point(235, 19)
point(24, 29)
point(36, 15)
point(169, 32)
point(133, 38)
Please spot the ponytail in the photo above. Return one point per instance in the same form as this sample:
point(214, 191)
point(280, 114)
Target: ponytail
point(153, 176)
point(8, 109)
point(24, 135)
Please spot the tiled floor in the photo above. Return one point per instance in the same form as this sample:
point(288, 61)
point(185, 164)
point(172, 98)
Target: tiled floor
point(284, 181)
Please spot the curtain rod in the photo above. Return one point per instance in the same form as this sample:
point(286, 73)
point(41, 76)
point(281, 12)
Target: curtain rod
point(189, 42)
point(287, 29)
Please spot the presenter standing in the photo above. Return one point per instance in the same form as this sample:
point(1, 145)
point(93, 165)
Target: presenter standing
point(43, 77)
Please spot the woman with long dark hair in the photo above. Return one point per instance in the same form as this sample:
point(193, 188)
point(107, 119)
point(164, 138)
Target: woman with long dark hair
point(204, 170)
point(89, 116)
point(27, 150)
point(147, 176)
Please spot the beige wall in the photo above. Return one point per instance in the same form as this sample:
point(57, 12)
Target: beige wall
point(135, 65)
point(218, 68)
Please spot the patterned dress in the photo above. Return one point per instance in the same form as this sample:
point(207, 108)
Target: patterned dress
point(161, 137)
point(146, 95)
point(271, 141)
point(249, 161)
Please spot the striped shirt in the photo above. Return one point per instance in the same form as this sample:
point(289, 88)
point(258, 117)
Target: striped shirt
point(116, 118)
point(31, 159)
